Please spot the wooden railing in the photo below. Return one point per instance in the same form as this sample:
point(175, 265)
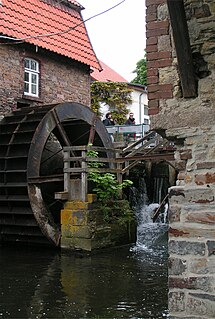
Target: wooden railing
point(71, 170)
point(116, 161)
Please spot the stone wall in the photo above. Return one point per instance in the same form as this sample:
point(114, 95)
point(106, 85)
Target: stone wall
point(190, 123)
point(61, 79)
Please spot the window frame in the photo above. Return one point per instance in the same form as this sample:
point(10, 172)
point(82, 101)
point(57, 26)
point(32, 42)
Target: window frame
point(31, 77)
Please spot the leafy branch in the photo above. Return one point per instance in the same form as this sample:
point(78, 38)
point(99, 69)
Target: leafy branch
point(114, 94)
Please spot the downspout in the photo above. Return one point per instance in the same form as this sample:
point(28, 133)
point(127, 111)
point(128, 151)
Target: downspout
point(140, 111)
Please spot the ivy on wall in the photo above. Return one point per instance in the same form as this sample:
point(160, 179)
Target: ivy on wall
point(116, 95)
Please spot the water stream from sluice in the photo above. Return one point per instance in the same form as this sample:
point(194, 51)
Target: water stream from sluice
point(129, 282)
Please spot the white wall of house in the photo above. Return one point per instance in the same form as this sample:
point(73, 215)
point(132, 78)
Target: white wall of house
point(139, 106)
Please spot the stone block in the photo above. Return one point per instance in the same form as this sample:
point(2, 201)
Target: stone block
point(176, 301)
point(201, 304)
point(174, 213)
point(203, 217)
point(162, 12)
point(207, 178)
point(165, 45)
point(79, 232)
point(200, 195)
point(177, 266)
point(70, 217)
point(191, 232)
point(101, 233)
point(211, 246)
point(205, 284)
point(76, 205)
point(205, 165)
point(202, 266)
point(185, 154)
point(81, 244)
point(176, 195)
point(186, 248)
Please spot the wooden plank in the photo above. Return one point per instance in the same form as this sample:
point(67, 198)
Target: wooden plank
point(84, 182)
point(91, 159)
point(89, 148)
point(87, 170)
point(183, 49)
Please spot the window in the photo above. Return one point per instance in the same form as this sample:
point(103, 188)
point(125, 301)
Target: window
point(31, 77)
point(146, 110)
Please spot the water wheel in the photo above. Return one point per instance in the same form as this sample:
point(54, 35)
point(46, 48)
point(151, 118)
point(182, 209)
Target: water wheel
point(31, 167)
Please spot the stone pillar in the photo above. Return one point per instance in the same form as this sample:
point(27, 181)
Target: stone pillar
point(190, 123)
point(84, 227)
point(192, 228)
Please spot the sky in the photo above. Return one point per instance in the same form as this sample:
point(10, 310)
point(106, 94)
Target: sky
point(117, 36)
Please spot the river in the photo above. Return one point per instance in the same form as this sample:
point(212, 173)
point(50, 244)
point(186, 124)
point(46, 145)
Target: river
point(129, 282)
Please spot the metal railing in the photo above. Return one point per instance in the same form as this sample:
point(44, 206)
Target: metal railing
point(124, 132)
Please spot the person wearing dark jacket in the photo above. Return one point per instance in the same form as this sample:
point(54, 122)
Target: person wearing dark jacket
point(108, 121)
point(130, 121)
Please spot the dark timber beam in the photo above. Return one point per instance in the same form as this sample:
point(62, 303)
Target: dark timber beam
point(182, 45)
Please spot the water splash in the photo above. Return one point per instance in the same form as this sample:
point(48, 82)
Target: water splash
point(149, 234)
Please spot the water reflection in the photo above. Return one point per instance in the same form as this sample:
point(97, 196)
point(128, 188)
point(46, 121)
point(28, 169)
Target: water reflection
point(122, 283)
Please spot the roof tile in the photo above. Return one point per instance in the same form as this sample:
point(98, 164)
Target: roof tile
point(107, 74)
point(52, 25)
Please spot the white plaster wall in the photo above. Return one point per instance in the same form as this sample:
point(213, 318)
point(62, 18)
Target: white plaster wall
point(139, 101)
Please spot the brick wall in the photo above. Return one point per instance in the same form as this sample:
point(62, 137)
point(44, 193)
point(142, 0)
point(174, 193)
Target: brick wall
point(61, 79)
point(159, 54)
point(190, 123)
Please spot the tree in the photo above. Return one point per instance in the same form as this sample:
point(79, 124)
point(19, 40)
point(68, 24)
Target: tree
point(140, 70)
point(116, 95)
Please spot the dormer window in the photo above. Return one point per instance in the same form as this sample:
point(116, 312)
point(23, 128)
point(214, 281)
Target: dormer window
point(31, 78)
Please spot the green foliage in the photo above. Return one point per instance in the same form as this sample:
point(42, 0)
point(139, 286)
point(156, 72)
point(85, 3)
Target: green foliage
point(141, 71)
point(114, 94)
point(127, 215)
point(107, 189)
point(106, 186)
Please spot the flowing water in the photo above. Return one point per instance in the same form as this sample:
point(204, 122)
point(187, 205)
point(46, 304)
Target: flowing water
point(129, 282)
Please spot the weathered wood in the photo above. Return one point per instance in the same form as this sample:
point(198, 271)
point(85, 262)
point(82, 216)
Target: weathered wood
point(92, 159)
point(90, 169)
point(183, 49)
point(84, 177)
point(66, 176)
point(89, 148)
point(158, 210)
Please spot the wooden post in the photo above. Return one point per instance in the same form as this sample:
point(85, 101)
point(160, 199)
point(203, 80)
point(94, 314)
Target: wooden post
point(118, 167)
point(66, 175)
point(83, 176)
point(183, 49)
point(119, 174)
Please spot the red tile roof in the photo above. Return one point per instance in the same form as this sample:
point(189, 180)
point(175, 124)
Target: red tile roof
point(30, 20)
point(107, 74)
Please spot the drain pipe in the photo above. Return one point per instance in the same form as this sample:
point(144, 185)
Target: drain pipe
point(140, 111)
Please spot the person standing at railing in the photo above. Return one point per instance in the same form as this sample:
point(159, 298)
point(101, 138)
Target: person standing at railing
point(130, 121)
point(108, 121)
